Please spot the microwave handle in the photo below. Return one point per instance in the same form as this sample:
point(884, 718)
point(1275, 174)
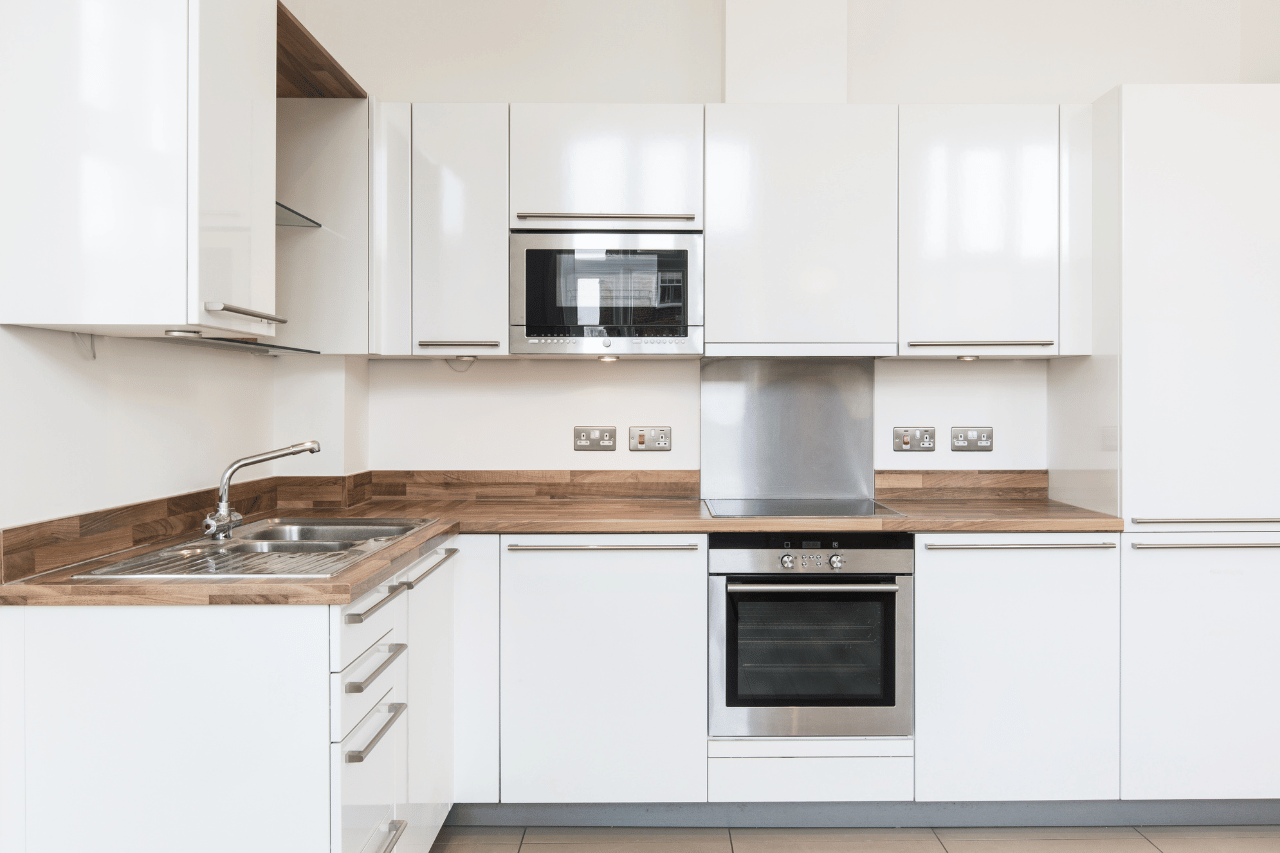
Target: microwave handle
point(812, 587)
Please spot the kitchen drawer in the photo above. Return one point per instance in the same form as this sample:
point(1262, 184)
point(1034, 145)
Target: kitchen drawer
point(364, 791)
point(387, 836)
point(354, 627)
point(810, 780)
point(355, 690)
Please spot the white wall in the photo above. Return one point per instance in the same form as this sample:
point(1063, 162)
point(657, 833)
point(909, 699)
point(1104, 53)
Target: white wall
point(520, 414)
point(323, 398)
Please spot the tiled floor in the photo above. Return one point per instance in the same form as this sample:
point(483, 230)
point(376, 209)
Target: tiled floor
point(1089, 839)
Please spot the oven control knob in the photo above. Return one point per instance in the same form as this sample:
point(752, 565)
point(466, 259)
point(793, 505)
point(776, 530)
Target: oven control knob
point(836, 562)
point(788, 561)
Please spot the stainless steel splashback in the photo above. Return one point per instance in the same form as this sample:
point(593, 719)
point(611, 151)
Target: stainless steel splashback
point(787, 428)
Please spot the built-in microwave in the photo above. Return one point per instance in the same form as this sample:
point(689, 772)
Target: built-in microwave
point(606, 294)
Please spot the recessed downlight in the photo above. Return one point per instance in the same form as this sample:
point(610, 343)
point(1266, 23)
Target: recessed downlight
point(967, 357)
point(608, 358)
point(182, 333)
point(465, 357)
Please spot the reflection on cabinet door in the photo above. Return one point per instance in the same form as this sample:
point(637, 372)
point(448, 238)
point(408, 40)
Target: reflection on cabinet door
point(801, 236)
point(978, 230)
point(460, 232)
point(573, 165)
point(1200, 687)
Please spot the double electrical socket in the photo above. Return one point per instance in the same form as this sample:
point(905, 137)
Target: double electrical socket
point(605, 438)
point(922, 439)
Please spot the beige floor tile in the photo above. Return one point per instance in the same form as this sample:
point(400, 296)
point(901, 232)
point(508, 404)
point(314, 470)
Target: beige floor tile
point(540, 835)
point(1212, 831)
point(655, 845)
point(480, 835)
point(997, 833)
point(468, 847)
point(866, 844)
point(1100, 844)
point(784, 835)
point(1216, 844)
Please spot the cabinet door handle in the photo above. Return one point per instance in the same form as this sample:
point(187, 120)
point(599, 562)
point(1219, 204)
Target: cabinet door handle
point(812, 587)
point(636, 216)
point(396, 649)
point(1146, 545)
point(245, 312)
point(357, 618)
point(448, 555)
point(1018, 546)
point(1205, 520)
point(396, 828)
point(602, 547)
point(459, 343)
point(979, 343)
point(356, 756)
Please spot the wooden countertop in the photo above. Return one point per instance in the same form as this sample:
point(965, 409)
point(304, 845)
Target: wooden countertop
point(528, 516)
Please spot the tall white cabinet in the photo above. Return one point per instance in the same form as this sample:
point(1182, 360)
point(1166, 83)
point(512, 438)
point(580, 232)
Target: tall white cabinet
point(978, 230)
point(143, 192)
point(801, 230)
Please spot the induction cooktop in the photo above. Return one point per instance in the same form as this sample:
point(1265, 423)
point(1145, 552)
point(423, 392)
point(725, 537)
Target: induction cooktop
point(799, 507)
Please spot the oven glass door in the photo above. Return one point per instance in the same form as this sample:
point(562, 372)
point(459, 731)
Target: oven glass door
point(606, 292)
point(807, 646)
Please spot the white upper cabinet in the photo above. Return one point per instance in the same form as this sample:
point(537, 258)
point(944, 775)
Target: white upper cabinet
point(1198, 260)
point(801, 231)
point(144, 188)
point(460, 236)
point(604, 167)
point(978, 230)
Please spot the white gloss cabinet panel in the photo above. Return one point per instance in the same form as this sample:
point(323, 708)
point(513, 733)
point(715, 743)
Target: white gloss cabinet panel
point(809, 779)
point(604, 670)
point(150, 724)
point(430, 690)
point(801, 225)
point(13, 728)
point(365, 792)
point(475, 680)
point(978, 228)
point(460, 235)
point(1017, 667)
point(1200, 302)
point(593, 159)
point(390, 229)
point(1199, 683)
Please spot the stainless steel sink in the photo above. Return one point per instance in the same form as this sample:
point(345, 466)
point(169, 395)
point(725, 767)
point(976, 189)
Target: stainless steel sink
point(272, 547)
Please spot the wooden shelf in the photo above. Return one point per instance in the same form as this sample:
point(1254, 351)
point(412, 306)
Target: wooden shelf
point(304, 69)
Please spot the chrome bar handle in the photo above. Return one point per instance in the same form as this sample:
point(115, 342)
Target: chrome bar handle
point(448, 555)
point(355, 756)
point(246, 312)
point(1145, 545)
point(357, 618)
point(1016, 546)
point(396, 828)
point(396, 650)
point(688, 217)
point(812, 587)
point(980, 343)
point(459, 343)
point(602, 547)
point(1205, 520)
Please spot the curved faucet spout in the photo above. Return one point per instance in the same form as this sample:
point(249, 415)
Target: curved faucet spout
point(220, 523)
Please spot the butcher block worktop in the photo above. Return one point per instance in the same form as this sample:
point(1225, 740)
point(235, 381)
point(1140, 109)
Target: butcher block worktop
point(526, 516)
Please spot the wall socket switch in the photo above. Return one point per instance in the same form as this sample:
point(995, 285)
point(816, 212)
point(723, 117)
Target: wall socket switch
point(595, 438)
point(651, 438)
point(972, 438)
point(913, 439)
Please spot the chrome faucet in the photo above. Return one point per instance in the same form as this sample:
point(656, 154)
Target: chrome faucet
point(220, 523)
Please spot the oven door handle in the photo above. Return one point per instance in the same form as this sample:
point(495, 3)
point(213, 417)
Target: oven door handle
point(812, 587)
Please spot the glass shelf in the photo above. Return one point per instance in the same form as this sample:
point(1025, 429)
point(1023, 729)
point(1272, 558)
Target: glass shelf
point(289, 216)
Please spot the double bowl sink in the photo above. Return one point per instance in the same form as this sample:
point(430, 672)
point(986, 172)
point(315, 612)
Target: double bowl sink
point(272, 547)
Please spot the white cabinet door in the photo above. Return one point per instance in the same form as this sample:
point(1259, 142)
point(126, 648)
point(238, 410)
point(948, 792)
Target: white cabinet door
point(1199, 682)
point(801, 234)
point(978, 230)
point(604, 669)
point(1017, 667)
point(1201, 304)
point(475, 669)
point(430, 686)
point(460, 236)
point(574, 165)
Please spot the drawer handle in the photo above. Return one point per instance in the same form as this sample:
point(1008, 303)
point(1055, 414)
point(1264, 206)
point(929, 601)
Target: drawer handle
point(396, 649)
point(636, 216)
point(979, 343)
point(812, 587)
point(1030, 546)
point(459, 343)
point(357, 618)
point(396, 828)
point(1205, 520)
point(602, 547)
point(244, 312)
point(1145, 545)
point(448, 555)
point(356, 756)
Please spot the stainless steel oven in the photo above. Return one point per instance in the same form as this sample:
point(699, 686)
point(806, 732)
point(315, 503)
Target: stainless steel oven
point(810, 634)
point(606, 294)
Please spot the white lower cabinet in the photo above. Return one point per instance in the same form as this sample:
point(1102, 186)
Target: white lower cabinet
point(1017, 667)
point(475, 670)
point(1199, 685)
point(604, 668)
point(809, 779)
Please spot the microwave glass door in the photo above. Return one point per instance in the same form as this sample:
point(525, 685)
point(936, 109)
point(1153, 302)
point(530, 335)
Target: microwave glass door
point(806, 648)
point(606, 292)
